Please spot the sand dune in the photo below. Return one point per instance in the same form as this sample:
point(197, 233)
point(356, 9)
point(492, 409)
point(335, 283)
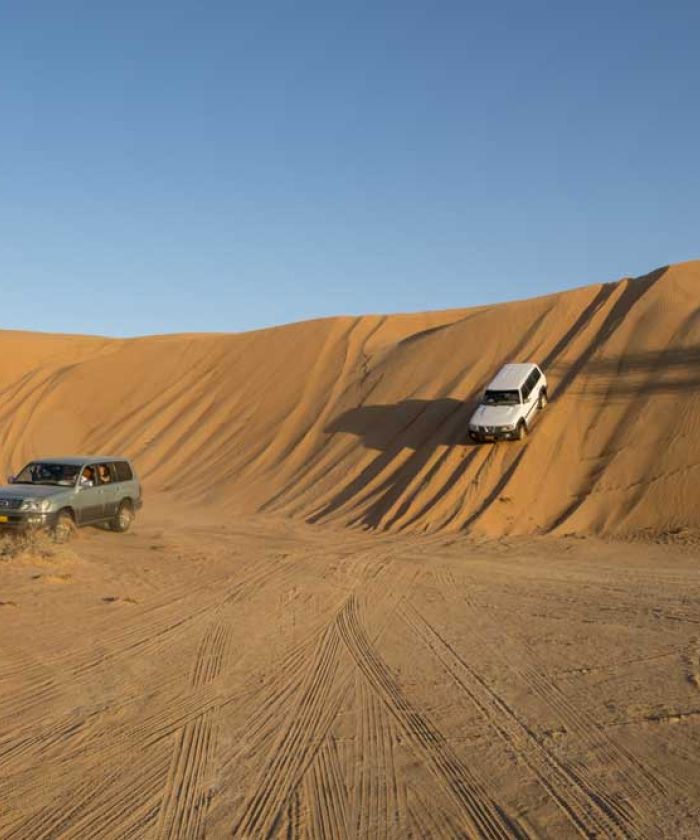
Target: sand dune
point(361, 420)
point(214, 673)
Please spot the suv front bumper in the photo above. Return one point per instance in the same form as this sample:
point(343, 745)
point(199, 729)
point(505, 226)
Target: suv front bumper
point(481, 436)
point(26, 521)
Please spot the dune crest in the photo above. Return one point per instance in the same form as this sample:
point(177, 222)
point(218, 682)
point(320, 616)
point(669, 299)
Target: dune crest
point(362, 421)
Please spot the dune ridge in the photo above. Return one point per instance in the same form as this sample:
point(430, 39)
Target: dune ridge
point(361, 420)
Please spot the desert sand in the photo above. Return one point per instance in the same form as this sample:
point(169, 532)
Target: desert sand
point(337, 618)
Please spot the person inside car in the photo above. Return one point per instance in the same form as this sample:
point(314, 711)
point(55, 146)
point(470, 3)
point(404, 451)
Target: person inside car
point(103, 472)
point(87, 479)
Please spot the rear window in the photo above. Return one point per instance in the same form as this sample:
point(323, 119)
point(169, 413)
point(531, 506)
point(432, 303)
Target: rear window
point(123, 471)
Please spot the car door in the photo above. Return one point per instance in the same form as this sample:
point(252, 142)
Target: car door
point(531, 399)
point(89, 501)
point(111, 489)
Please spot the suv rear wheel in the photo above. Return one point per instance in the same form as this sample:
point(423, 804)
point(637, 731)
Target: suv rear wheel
point(542, 400)
point(125, 516)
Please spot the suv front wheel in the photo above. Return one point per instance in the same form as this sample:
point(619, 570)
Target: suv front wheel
point(64, 526)
point(125, 516)
point(542, 401)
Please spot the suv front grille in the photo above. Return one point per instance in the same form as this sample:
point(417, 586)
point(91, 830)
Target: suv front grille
point(10, 504)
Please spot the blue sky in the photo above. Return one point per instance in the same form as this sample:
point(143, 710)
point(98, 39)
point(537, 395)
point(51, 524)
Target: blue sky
point(224, 166)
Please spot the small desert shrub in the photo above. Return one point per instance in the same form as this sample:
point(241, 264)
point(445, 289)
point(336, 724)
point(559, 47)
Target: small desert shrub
point(37, 545)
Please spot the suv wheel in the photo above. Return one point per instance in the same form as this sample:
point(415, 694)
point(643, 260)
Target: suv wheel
point(64, 527)
point(125, 516)
point(542, 401)
point(522, 430)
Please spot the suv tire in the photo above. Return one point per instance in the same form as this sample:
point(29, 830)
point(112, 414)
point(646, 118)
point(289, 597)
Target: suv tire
point(125, 516)
point(522, 430)
point(542, 400)
point(64, 527)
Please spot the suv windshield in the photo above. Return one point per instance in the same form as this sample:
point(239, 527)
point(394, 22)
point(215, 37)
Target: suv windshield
point(501, 398)
point(40, 473)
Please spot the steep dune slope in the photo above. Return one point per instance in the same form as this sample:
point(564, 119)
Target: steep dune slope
point(362, 420)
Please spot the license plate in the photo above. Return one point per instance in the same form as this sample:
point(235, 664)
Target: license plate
point(4, 519)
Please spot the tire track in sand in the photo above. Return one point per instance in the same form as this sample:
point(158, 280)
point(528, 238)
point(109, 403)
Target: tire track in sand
point(298, 743)
point(327, 796)
point(186, 795)
point(586, 801)
point(480, 814)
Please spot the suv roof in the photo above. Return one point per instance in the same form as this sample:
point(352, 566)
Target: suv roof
point(79, 460)
point(511, 377)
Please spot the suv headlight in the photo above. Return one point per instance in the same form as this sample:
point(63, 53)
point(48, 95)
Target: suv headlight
point(36, 505)
point(508, 427)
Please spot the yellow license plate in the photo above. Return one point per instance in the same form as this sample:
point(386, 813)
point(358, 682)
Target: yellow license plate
point(4, 519)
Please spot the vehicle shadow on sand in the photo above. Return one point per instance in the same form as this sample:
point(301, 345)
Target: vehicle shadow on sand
point(420, 426)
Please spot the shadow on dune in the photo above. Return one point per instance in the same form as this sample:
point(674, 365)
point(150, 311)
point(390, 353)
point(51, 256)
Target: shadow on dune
point(411, 423)
point(633, 292)
point(642, 374)
point(417, 425)
point(385, 490)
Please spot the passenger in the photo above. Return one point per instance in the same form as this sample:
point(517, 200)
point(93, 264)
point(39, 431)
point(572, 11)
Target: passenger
point(87, 479)
point(103, 472)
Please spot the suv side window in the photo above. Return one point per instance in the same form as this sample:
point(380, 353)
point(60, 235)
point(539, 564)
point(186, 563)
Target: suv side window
point(527, 387)
point(530, 382)
point(123, 471)
point(105, 473)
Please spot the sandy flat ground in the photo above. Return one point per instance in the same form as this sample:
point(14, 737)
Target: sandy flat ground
point(260, 677)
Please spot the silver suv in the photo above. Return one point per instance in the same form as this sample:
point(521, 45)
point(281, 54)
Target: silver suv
point(63, 493)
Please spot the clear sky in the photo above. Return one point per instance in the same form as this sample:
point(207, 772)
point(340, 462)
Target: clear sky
point(217, 165)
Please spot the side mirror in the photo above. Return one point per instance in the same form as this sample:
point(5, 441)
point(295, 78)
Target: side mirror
point(11, 479)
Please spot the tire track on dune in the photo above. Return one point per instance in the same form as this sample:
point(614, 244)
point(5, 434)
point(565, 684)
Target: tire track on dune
point(191, 718)
point(327, 796)
point(298, 743)
point(75, 666)
point(271, 699)
point(587, 804)
point(103, 797)
point(639, 785)
point(315, 694)
point(186, 795)
point(640, 792)
point(379, 802)
point(480, 813)
point(172, 714)
point(429, 822)
point(146, 633)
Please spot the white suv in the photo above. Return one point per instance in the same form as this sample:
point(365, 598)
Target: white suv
point(509, 403)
